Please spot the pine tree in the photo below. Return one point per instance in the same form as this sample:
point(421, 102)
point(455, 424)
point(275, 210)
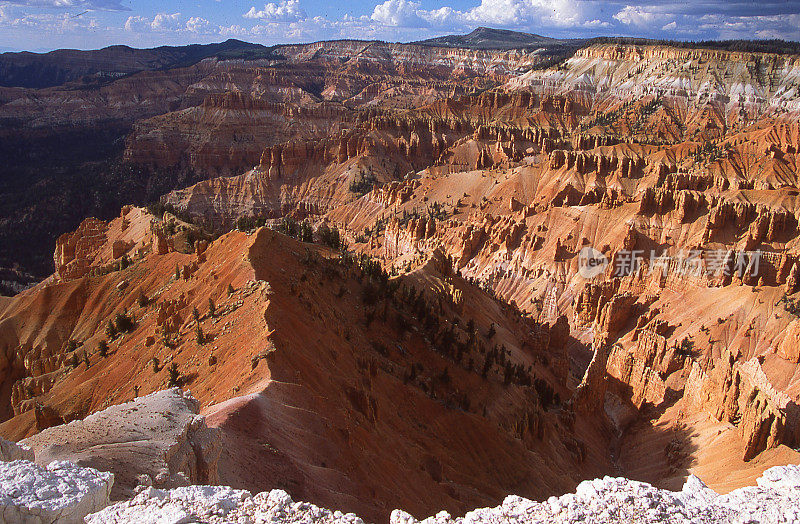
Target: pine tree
point(111, 330)
point(124, 323)
point(174, 376)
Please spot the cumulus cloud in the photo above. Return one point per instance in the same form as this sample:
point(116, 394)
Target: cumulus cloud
point(166, 22)
point(137, 24)
point(514, 14)
point(198, 24)
point(233, 31)
point(637, 16)
point(596, 23)
point(398, 13)
point(285, 11)
point(160, 23)
point(526, 12)
point(565, 18)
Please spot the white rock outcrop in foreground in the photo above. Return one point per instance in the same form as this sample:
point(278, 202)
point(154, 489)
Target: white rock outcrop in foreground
point(61, 492)
point(158, 439)
point(12, 451)
point(776, 499)
point(216, 504)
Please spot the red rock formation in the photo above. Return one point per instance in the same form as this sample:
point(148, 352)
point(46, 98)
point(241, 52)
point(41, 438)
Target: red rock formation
point(589, 397)
point(76, 251)
point(472, 193)
point(288, 386)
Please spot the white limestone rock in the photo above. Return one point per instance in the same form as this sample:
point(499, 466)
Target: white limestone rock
point(780, 477)
point(61, 492)
point(775, 500)
point(12, 451)
point(157, 439)
point(216, 504)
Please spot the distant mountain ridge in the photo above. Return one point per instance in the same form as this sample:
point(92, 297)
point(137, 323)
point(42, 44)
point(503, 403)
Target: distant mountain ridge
point(495, 39)
point(41, 70)
point(34, 70)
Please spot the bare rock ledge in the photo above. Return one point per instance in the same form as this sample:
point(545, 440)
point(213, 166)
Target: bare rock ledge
point(61, 492)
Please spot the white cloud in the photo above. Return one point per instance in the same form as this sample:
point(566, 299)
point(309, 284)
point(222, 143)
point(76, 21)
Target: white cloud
point(12, 16)
point(137, 24)
point(637, 16)
point(161, 23)
point(596, 24)
point(197, 24)
point(702, 21)
point(398, 13)
point(53, 23)
point(285, 11)
point(99, 5)
point(233, 30)
point(165, 22)
point(515, 14)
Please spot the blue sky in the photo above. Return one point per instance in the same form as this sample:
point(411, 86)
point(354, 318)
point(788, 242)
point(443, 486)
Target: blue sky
point(40, 25)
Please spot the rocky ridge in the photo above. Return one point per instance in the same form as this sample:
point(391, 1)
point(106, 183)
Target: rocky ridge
point(67, 493)
point(61, 492)
point(610, 500)
point(605, 500)
point(501, 376)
